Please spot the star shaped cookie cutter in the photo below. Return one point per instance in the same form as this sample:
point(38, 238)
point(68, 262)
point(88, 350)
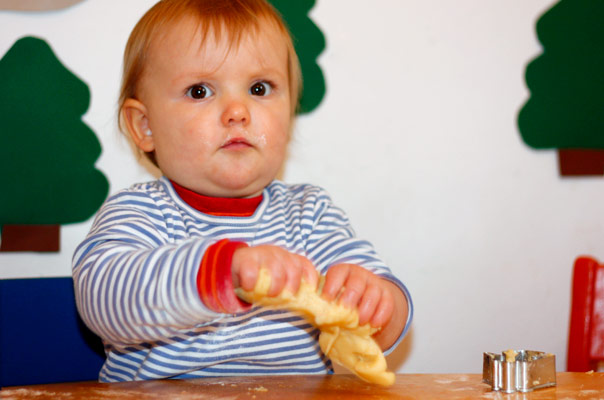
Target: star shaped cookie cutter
point(519, 370)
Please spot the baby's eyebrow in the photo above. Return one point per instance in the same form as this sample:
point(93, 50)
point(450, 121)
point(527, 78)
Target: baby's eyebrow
point(195, 72)
point(190, 77)
point(267, 71)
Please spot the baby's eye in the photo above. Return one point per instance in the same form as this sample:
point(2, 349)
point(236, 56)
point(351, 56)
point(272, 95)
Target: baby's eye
point(199, 92)
point(261, 89)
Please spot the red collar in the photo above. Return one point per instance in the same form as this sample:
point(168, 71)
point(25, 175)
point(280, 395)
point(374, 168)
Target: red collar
point(218, 206)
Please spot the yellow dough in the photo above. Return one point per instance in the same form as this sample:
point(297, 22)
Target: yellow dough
point(341, 338)
point(510, 355)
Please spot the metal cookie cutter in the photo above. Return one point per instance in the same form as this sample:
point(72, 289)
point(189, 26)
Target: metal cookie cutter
point(519, 370)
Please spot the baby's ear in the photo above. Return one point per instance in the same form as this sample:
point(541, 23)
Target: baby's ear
point(133, 118)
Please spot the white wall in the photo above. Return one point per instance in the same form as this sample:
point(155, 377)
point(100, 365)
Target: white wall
point(417, 140)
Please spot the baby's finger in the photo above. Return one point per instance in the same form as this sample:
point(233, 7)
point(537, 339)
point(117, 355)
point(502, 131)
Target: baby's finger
point(293, 272)
point(247, 275)
point(384, 310)
point(369, 303)
point(278, 276)
point(309, 272)
point(334, 281)
point(354, 288)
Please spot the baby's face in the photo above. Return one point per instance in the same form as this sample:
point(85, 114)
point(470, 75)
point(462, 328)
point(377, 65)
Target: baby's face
point(220, 118)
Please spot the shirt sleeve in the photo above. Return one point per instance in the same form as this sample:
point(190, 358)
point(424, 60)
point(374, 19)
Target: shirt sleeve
point(333, 241)
point(214, 279)
point(132, 285)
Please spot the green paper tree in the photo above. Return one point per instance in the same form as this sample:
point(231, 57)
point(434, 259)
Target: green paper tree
point(47, 153)
point(309, 43)
point(566, 107)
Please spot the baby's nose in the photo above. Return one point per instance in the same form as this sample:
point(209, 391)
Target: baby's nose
point(235, 112)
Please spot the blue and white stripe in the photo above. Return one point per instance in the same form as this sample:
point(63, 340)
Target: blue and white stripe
point(135, 283)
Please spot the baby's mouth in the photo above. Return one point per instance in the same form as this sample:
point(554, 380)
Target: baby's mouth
point(236, 143)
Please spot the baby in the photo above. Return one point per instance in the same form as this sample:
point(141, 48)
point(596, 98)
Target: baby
point(209, 94)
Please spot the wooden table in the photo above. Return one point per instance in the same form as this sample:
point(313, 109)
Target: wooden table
point(408, 386)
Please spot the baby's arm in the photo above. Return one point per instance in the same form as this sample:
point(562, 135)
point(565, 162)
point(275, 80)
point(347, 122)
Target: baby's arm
point(378, 301)
point(132, 285)
point(335, 249)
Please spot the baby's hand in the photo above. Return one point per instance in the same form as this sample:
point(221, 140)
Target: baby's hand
point(286, 269)
point(370, 294)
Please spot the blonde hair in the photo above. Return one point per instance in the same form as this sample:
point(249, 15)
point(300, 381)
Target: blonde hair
point(233, 17)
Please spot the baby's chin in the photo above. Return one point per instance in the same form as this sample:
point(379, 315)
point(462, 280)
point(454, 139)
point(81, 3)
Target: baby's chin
point(228, 188)
point(241, 186)
point(244, 191)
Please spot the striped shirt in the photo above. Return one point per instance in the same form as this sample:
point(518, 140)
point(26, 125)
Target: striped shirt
point(135, 283)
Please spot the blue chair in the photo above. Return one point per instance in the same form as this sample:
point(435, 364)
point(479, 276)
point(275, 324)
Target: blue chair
point(42, 338)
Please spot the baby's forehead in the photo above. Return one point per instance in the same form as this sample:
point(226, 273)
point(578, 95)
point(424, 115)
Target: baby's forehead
point(229, 31)
point(194, 37)
point(185, 49)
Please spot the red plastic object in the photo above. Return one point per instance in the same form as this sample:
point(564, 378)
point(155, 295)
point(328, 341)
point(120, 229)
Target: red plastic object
point(586, 335)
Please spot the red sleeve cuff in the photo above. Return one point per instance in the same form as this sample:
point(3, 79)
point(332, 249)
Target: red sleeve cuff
point(214, 280)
